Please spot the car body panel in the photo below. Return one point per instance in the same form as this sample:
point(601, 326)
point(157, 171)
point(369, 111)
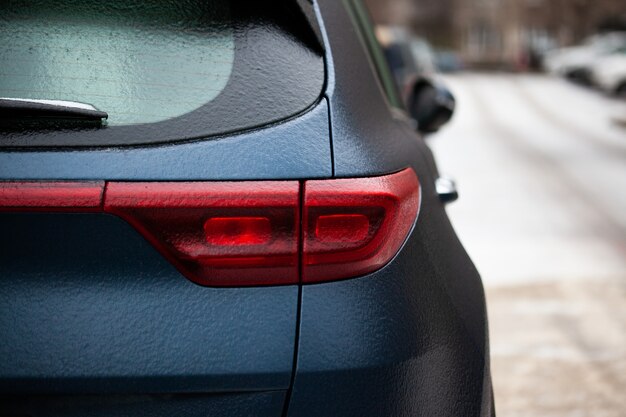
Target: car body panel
point(405, 340)
point(90, 307)
point(238, 404)
point(410, 339)
point(367, 139)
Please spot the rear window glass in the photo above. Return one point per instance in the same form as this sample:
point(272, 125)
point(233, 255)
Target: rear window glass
point(159, 62)
point(139, 61)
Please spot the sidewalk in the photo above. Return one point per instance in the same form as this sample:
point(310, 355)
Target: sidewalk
point(559, 349)
point(541, 169)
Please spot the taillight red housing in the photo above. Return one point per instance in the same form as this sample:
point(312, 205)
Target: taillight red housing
point(249, 233)
point(217, 233)
point(355, 226)
point(51, 196)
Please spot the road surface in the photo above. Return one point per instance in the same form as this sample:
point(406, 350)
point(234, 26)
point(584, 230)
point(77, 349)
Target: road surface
point(541, 168)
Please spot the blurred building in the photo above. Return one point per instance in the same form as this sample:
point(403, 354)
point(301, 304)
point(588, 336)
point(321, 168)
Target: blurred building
point(502, 32)
point(431, 19)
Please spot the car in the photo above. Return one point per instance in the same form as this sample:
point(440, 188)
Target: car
point(575, 62)
point(609, 73)
point(448, 61)
point(223, 208)
point(408, 56)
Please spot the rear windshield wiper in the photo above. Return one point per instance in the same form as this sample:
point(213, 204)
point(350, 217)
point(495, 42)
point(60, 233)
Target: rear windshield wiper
point(57, 110)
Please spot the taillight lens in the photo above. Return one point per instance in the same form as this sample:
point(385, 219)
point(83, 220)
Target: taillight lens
point(249, 233)
point(355, 226)
point(51, 196)
point(239, 233)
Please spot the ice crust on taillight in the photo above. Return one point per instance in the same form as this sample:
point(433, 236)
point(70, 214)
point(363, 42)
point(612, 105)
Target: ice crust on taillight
point(51, 195)
point(219, 234)
point(355, 226)
point(251, 232)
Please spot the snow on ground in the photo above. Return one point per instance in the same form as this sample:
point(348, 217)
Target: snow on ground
point(541, 169)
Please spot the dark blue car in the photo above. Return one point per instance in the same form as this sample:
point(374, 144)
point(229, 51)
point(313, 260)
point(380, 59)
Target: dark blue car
point(223, 208)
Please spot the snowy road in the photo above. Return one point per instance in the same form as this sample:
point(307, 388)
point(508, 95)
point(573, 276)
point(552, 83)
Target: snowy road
point(541, 168)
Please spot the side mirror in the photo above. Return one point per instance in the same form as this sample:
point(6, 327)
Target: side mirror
point(430, 104)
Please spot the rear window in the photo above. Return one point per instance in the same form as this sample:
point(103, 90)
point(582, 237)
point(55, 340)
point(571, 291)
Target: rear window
point(140, 62)
point(163, 70)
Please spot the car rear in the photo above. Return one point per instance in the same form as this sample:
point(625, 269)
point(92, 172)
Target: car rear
point(149, 261)
point(266, 242)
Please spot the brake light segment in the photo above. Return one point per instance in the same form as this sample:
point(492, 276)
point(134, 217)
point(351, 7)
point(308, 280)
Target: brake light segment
point(217, 233)
point(355, 226)
point(342, 228)
point(238, 231)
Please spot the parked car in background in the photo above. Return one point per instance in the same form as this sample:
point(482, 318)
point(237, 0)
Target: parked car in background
point(609, 73)
point(408, 56)
point(223, 208)
point(575, 62)
point(413, 65)
point(448, 61)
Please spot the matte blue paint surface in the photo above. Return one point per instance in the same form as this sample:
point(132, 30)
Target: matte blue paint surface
point(240, 405)
point(88, 306)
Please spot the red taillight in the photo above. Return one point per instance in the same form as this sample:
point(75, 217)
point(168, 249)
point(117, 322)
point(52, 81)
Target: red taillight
point(51, 196)
point(248, 233)
point(222, 234)
point(355, 226)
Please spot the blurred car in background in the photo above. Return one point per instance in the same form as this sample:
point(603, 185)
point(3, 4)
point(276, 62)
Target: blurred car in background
point(409, 57)
point(413, 65)
point(448, 61)
point(609, 73)
point(575, 62)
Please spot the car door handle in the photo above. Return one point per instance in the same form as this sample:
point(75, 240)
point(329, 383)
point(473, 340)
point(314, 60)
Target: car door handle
point(446, 189)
